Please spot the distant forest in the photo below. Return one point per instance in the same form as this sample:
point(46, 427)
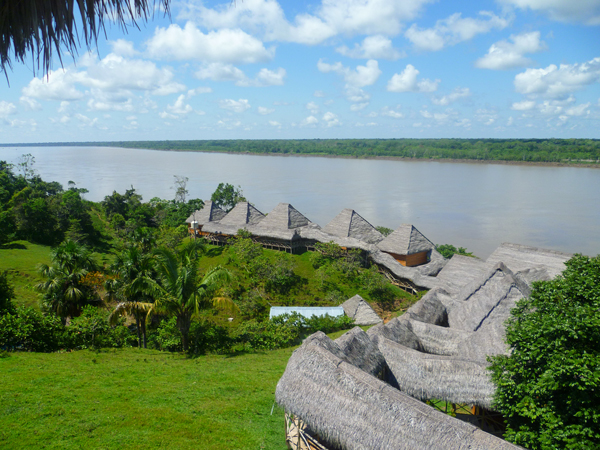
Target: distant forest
point(529, 150)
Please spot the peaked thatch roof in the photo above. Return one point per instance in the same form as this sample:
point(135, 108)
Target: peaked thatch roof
point(350, 409)
point(358, 309)
point(406, 240)
point(209, 213)
point(284, 216)
point(360, 351)
point(349, 223)
point(520, 257)
point(241, 215)
point(425, 376)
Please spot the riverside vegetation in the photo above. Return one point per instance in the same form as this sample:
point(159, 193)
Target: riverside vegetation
point(564, 151)
point(175, 348)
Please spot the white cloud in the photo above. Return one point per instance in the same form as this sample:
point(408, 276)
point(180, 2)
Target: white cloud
point(238, 106)
point(309, 121)
point(358, 106)
point(558, 82)
point(30, 103)
point(330, 18)
point(586, 11)
point(180, 107)
point(217, 71)
point(363, 75)
point(391, 113)
point(452, 97)
point(357, 95)
point(122, 47)
point(319, 94)
point(263, 111)
point(57, 85)
point(407, 82)
point(228, 72)
point(331, 119)
point(86, 121)
point(7, 109)
point(486, 116)
point(108, 104)
point(372, 47)
point(274, 123)
point(454, 29)
point(580, 110)
point(510, 121)
point(312, 107)
point(225, 45)
point(198, 91)
point(506, 55)
point(525, 105)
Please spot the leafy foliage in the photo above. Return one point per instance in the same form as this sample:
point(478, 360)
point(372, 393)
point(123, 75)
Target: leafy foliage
point(29, 330)
point(448, 250)
point(548, 388)
point(226, 196)
point(7, 294)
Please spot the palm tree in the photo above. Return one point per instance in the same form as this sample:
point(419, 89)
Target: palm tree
point(65, 291)
point(44, 26)
point(183, 292)
point(133, 285)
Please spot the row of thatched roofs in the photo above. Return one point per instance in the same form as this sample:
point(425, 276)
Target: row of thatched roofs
point(348, 229)
point(365, 389)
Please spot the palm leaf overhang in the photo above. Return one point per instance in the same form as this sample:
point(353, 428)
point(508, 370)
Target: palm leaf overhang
point(44, 27)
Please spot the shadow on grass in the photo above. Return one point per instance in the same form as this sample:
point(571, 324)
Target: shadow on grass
point(215, 251)
point(13, 246)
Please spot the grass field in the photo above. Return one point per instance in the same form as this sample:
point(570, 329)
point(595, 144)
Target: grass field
point(140, 399)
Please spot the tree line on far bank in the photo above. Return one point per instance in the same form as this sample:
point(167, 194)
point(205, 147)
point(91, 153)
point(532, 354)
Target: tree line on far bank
point(585, 151)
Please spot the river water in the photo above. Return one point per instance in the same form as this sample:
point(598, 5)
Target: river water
point(477, 206)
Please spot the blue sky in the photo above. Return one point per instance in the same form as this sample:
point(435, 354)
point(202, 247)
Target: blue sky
point(267, 69)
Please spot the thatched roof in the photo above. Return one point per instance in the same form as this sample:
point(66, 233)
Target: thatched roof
point(350, 409)
point(241, 215)
point(478, 299)
point(209, 213)
point(349, 223)
point(41, 27)
point(358, 309)
point(425, 376)
point(284, 222)
point(360, 351)
point(406, 240)
point(520, 257)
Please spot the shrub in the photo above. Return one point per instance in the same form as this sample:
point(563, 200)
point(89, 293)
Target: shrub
point(29, 330)
point(91, 330)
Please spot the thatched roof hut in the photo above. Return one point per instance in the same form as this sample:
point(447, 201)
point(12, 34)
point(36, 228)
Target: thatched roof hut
point(520, 257)
point(209, 213)
point(349, 223)
point(362, 352)
point(347, 408)
point(241, 215)
point(407, 245)
point(358, 309)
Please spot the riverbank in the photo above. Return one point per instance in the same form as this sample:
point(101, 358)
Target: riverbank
point(589, 165)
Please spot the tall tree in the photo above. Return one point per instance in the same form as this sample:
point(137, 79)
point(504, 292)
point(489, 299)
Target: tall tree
point(548, 386)
point(183, 292)
point(65, 291)
point(132, 284)
point(180, 186)
point(226, 196)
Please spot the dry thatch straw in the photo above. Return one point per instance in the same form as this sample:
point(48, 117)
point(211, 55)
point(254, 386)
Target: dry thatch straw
point(349, 223)
point(362, 352)
point(350, 409)
point(520, 257)
point(209, 213)
point(406, 240)
point(425, 376)
point(41, 27)
point(358, 309)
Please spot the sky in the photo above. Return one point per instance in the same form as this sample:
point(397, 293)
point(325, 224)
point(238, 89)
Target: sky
point(267, 69)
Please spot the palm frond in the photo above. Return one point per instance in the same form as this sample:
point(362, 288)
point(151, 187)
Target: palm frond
point(44, 27)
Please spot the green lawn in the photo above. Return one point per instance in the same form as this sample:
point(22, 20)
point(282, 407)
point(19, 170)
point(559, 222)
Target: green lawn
point(21, 259)
point(140, 399)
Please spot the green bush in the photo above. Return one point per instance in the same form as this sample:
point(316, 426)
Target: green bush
point(29, 330)
point(166, 336)
point(91, 330)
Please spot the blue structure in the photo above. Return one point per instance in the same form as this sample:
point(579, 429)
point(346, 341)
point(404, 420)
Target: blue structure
point(307, 311)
